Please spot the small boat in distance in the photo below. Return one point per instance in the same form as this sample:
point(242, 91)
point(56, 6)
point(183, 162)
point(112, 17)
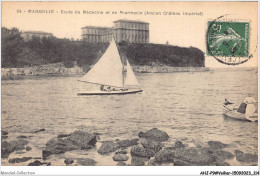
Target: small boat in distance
point(113, 73)
point(247, 110)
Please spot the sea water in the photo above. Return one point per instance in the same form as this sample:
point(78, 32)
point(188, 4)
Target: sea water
point(187, 105)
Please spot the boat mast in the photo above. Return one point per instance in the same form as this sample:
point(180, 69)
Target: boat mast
point(123, 61)
point(124, 70)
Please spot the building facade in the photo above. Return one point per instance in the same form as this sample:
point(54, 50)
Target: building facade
point(93, 34)
point(132, 31)
point(28, 35)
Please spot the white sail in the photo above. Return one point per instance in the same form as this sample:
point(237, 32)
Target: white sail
point(108, 70)
point(130, 80)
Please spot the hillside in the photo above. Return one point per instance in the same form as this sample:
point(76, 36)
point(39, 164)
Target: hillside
point(158, 54)
point(18, 53)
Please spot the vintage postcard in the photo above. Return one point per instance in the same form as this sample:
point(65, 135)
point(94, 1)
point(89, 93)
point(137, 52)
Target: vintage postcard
point(129, 84)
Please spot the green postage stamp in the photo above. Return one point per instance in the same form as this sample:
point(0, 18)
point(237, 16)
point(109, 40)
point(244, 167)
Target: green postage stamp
point(228, 41)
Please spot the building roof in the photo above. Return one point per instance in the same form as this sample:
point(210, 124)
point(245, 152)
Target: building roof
point(96, 27)
point(133, 21)
point(37, 32)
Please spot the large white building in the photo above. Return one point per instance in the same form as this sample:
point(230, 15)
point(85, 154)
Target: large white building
point(28, 35)
point(133, 31)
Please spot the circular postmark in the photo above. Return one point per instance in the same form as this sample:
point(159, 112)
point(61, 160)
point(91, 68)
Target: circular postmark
point(227, 40)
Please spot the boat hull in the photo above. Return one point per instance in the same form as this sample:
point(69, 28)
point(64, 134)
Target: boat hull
point(110, 92)
point(229, 112)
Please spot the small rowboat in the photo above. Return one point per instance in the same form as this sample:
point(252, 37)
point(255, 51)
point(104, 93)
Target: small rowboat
point(245, 112)
point(231, 112)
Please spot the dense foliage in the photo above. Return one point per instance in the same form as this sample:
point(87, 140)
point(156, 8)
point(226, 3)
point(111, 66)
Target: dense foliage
point(18, 53)
point(158, 54)
point(12, 45)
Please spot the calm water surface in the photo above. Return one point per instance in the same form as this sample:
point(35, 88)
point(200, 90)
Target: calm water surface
point(188, 106)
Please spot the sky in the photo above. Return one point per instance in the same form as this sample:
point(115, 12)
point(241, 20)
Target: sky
point(183, 30)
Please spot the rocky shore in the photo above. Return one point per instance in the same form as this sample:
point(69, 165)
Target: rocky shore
point(59, 70)
point(148, 148)
point(44, 70)
point(167, 69)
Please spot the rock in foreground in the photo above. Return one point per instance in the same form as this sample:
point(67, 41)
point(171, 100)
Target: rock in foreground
point(76, 141)
point(120, 157)
point(38, 163)
point(35, 163)
point(57, 146)
point(246, 157)
point(194, 156)
point(127, 143)
point(142, 152)
point(68, 161)
point(179, 144)
point(19, 144)
point(217, 144)
point(83, 139)
point(164, 156)
point(137, 161)
point(9, 147)
point(150, 144)
point(222, 155)
point(28, 148)
point(154, 134)
point(86, 162)
point(4, 137)
point(4, 133)
point(19, 160)
point(108, 147)
point(6, 149)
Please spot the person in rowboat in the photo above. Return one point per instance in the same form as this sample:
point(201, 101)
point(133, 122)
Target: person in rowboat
point(102, 88)
point(227, 102)
point(250, 102)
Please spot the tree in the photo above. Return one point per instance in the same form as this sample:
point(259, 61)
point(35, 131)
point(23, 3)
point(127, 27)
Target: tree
point(28, 58)
point(12, 45)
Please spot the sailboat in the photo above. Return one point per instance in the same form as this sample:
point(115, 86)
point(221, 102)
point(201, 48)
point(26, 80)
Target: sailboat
point(113, 71)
